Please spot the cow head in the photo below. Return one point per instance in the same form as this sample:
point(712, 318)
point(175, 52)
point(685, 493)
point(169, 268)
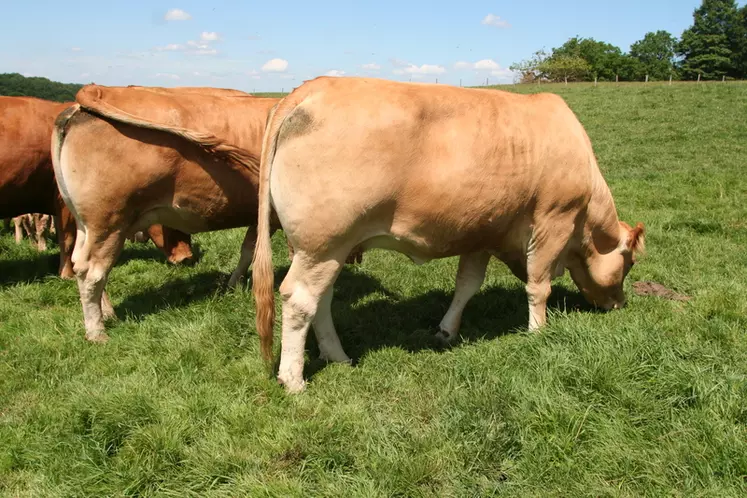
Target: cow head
point(600, 276)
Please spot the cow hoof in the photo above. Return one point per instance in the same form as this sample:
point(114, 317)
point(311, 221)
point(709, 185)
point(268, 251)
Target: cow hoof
point(97, 337)
point(291, 384)
point(445, 337)
point(234, 282)
point(335, 358)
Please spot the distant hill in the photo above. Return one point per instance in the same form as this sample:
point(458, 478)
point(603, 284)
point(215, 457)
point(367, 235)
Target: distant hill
point(17, 85)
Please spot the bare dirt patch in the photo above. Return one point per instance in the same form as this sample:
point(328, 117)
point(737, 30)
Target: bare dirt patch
point(648, 288)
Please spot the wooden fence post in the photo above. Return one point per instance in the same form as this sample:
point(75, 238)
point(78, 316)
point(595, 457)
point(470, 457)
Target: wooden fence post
point(566, 81)
point(595, 81)
point(723, 79)
point(698, 77)
point(617, 78)
point(670, 79)
point(647, 78)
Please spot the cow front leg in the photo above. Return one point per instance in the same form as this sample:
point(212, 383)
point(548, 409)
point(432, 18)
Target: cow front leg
point(543, 253)
point(18, 223)
point(65, 223)
point(469, 279)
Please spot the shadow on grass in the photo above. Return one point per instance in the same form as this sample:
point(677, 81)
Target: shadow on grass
point(29, 270)
point(32, 269)
point(411, 324)
point(174, 293)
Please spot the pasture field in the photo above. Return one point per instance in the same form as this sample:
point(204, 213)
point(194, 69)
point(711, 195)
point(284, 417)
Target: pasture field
point(650, 400)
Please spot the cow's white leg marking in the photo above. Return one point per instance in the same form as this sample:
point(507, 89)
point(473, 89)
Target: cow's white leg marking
point(469, 279)
point(93, 259)
point(247, 252)
point(330, 348)
point(302, 290)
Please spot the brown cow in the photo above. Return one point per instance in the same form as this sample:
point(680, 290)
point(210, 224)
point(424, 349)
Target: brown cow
point(127, 157)
point(27, 182)
point(431, 171)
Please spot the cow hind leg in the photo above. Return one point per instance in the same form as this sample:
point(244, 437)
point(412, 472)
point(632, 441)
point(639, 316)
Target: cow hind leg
point(93, 260)
point(330, 348)
point(245, 259)
point(302, 291)
point(469, 279)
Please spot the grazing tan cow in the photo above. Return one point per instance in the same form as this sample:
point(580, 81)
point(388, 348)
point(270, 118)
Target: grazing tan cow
point(430, 171)
point(129, 157)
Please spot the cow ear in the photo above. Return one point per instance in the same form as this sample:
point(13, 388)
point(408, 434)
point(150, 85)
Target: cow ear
point(632, 239)
point(637, 239)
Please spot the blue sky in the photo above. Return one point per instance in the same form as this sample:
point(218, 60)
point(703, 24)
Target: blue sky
point(269, 46)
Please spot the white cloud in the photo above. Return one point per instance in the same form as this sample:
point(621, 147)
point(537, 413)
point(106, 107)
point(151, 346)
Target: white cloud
point(168, 75)
point(420, 70)
point(85, 75)
point(493, 20)
point(487, 65)
point(208, 36)
point(275, 66)
point(76, 49)
point(371, 67)
point(334, 72)
point(177, 15)
point(201, 47)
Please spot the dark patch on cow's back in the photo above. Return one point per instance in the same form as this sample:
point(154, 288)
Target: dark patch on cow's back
point(62, 122)
point(72, 116)
point(298, 123)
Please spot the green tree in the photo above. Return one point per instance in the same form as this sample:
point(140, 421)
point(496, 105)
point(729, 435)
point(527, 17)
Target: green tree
point(656, 53)
point(16, 85)
point(708, 46)
point(530, 70)
point(565, 68)
point(739, 47)
point(604, 59)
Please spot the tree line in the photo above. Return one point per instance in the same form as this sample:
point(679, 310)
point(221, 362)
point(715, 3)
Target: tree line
point(17, 85)
point(714, 47)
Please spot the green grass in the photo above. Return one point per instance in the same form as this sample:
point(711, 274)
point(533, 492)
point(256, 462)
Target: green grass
point(649, 400)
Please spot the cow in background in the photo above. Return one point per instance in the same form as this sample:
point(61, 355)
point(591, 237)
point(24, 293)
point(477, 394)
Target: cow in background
point(27, 180)
point(191, 157)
